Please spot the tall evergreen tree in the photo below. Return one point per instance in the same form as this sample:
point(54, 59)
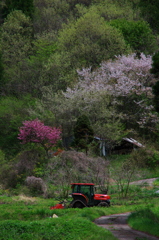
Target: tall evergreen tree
point(1, 74)
point(26, 6)
point(83, 132)
point(74, 2)
point(156, 96)
point(16, 42)
point(150, 12)
point(155, 71)
point(155, 64)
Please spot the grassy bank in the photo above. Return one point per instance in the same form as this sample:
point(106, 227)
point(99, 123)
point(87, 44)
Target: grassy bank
point(61, 228)
point(146, 220)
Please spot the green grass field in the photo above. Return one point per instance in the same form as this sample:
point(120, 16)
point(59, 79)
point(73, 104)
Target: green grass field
point(30, 218)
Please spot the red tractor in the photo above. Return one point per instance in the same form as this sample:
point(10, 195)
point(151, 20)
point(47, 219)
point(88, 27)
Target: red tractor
point(83, 196)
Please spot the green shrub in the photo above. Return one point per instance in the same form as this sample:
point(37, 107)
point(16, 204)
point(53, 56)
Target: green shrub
point(8, 176)
point(51, 191)
point(2, 157)
point(156, 182)
point(145, 157)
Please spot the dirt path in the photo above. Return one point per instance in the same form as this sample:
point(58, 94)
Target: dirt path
point(117, 224)
point(145, 181)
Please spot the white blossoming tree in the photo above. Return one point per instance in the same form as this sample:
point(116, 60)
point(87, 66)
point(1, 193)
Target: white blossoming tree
point(127, 79)
point(117, 97)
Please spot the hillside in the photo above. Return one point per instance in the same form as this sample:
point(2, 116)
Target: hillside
point(63, 61)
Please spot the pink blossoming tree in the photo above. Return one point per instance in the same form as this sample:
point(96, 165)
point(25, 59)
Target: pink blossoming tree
point(35, 131)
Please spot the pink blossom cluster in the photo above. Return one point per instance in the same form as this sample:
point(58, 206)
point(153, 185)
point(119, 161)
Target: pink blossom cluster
point(35, 131)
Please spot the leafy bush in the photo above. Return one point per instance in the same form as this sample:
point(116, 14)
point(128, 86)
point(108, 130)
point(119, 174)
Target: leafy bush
point(29, 160)
point(145, 157)
point(8, 176)
point(156, 182)
point(36, 185)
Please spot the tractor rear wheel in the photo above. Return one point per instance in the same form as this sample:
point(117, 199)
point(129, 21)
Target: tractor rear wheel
point(78, 204)
point(103, 204)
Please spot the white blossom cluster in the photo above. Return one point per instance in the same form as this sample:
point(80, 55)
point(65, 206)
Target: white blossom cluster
point(128, 77)
point(123, 76)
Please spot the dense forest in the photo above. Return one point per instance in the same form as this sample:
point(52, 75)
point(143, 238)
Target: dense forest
point(63, 60)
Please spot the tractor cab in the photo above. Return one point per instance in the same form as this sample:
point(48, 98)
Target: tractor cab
point(84, 192)
point(84, 196)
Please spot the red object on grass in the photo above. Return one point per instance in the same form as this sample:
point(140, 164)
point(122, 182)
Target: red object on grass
point(57, 206)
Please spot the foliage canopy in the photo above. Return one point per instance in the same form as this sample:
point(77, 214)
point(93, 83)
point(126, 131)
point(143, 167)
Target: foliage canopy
point(137, 34)
point(90, 40)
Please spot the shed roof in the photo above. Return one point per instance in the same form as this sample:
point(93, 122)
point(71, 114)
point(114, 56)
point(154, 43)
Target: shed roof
point(133, 141)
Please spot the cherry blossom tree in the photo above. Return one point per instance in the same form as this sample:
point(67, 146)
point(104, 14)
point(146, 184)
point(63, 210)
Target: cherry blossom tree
point(127, 79)
point(35, 131)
